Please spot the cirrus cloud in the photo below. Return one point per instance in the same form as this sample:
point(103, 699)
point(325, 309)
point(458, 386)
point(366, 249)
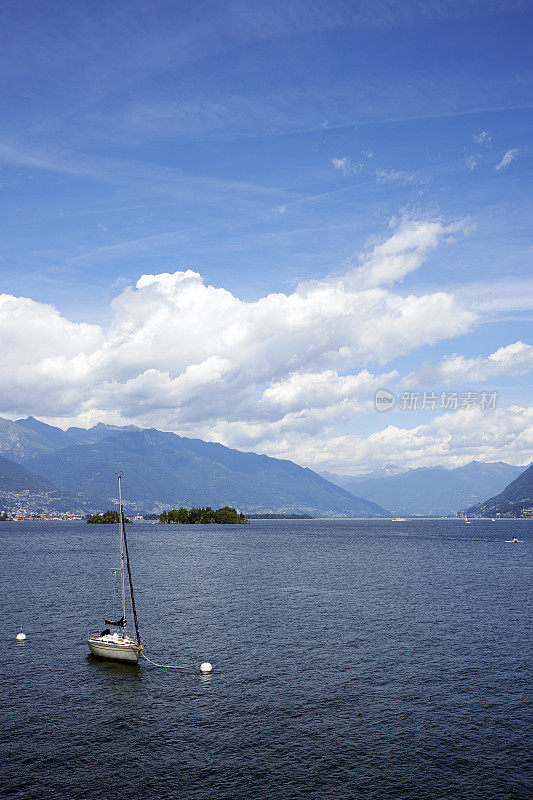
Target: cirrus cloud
point(509, 156)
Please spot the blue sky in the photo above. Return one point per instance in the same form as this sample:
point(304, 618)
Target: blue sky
point(264, 146)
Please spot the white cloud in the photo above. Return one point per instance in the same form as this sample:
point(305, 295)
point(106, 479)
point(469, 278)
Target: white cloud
point(509, 156)
point(494, 299)
point(340, 163)
point(482, 138)
point(326, 389)
point(346, 165)
point(515, 359)
point(449, 440)
point(404, 251)
point(471, 162)
point(283, 374)
point(386, 175)
point(457, 438)
point(43, 354)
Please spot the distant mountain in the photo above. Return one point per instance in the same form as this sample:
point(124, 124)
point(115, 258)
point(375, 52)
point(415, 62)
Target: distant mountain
point(26, 492)
point(380, 472)
point(54, 437)
point(18, 442)
point(95, 434)
point(433, 490)
point(14, 478)
point(25, 438)
point(164, 470)
point(516, 500)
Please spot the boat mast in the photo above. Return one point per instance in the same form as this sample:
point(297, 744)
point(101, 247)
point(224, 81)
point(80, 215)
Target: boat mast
point(121, 525)
point(138, 638)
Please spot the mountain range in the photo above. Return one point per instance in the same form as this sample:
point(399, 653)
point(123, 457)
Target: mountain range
point(21, 488)
point(431, 490)
point(14, 478)
point(163, 470)
point(78, 467)
point(516, 500)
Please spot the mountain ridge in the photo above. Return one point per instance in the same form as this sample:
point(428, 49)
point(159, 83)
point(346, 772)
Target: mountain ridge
point(17, 441)
point(516, 500)
point(22, 490)
point(433, 490)
point(163, 469)
point(83, 462)
point(16, 478)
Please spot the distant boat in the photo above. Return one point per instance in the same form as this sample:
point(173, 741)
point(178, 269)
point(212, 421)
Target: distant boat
point(514, 540)
point(117, 645)
point(399, 519)
point(467, 521)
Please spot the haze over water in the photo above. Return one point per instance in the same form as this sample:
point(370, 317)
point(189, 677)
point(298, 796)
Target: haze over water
point(355, 659)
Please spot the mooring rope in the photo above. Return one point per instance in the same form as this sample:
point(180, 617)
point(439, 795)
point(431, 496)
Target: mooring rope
point(164, 666)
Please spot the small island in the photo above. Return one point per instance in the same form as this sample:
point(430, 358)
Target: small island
point(107, 518)
point(205, 516)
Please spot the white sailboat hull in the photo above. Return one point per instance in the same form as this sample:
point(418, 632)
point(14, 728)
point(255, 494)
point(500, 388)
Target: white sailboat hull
point(118, 650)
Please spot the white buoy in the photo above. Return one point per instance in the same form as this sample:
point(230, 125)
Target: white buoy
point(20, 636)
point(206, 667)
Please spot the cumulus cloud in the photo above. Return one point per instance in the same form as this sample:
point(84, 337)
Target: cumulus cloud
point(509, 156)
point(471, 162)
point(43, 355)
point(282, 374)
point(450, 440)
point(515, 359)
point(326, 389)
point(174, 325)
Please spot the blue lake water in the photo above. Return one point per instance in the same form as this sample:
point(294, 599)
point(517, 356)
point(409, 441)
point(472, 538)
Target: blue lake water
point(352, 659)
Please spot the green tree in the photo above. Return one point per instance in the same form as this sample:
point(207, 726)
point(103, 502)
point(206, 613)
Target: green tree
point(226, 515)
point(183, 516)
point(107, 518)
point(208, 515)
point(195, 515)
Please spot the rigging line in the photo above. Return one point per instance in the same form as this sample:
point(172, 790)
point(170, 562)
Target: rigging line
point(122, 533)
point(129, 575)
point(164, 666)
point(113, 604)
point(108, 592)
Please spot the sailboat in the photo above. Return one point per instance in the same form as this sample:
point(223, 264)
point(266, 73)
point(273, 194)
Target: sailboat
point(118, 646)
